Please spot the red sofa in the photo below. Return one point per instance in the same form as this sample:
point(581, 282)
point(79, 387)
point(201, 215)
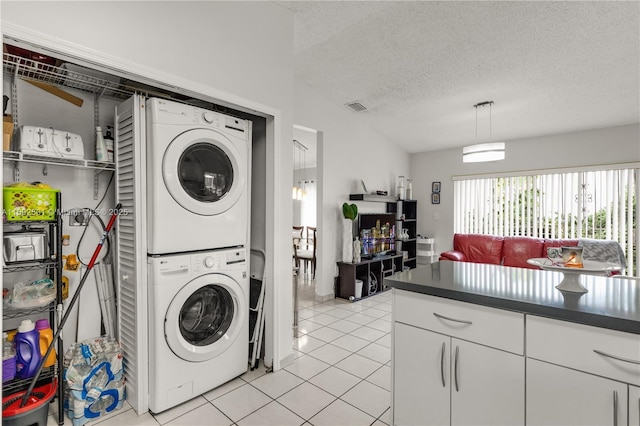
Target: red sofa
point(507, 251)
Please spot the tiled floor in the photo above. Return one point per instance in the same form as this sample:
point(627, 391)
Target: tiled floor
point(341, 375)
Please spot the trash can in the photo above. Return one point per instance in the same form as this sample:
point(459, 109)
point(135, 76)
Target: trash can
point(358, 292)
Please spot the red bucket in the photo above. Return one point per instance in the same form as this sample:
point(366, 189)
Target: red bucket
point(35, 411)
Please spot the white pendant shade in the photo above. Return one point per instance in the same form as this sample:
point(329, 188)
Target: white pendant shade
point(481, 152)
point(477, 153)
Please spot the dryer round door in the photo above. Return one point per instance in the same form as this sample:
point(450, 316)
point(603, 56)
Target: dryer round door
point(204, 172)
point(205, 318)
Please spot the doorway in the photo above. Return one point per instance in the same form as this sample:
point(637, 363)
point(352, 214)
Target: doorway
point(306, 217)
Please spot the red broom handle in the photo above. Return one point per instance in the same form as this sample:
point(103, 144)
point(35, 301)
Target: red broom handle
point(112, 220)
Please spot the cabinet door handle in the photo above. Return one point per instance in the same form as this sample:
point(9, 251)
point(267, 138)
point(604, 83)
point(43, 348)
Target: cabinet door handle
point(455, 369)
point(632, 361)
point(452, 319)
point(442, 364)
point(615, 408)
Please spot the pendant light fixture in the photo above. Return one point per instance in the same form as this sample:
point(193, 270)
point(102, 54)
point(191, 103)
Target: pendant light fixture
point(303, 182)
point(480, 152)
point(298, 192)
point(294, 191)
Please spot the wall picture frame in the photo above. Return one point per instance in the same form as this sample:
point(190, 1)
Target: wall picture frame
point(435, 198)
point(435, 187)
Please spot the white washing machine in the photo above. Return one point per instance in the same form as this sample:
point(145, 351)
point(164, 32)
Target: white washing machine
point(198, 323)
point(198, 178)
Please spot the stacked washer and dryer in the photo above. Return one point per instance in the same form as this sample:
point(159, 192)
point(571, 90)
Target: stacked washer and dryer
point(198, 208)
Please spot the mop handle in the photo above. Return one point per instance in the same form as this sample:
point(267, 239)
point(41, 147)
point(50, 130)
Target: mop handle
point(96, 252)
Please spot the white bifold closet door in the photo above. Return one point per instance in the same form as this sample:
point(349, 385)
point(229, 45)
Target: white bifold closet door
point(131, 253)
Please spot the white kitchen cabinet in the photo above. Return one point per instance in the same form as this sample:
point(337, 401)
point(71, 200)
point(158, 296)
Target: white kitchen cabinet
point(421, 376)
point(581, 375)
point(441, 379)
point(634, 405)
point(487, 386)
point(562, 396)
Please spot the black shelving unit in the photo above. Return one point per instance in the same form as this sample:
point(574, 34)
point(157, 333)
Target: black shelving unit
point(53, 269)
point(372, 272)
point(406, 218)
point(406, 212)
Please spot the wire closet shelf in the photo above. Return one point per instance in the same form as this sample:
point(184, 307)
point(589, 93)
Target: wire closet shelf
point(29, 69)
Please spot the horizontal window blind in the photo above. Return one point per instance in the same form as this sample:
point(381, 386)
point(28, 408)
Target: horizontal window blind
point(599, 204)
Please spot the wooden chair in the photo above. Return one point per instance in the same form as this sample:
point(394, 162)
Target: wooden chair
point(297, 241)
point(308, 253)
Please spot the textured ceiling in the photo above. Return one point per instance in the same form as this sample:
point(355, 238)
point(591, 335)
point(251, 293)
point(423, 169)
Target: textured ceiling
point(419, 67)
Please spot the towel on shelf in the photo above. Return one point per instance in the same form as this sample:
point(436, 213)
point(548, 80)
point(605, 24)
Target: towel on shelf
point(603, 251)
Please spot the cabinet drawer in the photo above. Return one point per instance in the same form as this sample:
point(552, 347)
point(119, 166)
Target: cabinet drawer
point(488, 326)
point(572, 345)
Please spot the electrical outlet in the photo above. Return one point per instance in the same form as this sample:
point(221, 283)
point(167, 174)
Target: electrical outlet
point(79, 217)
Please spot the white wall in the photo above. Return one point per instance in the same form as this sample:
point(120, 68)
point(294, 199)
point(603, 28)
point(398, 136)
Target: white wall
point(350, 151)
point(237, 50)
point(601, 146)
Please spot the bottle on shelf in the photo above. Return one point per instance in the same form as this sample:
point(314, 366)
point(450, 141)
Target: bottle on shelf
point(108, 142)
point(28, 355)
point(400, 191)
point(101, 149)
point(8, 359)
point(357, 250)
point(46, 339)
point(409, 190)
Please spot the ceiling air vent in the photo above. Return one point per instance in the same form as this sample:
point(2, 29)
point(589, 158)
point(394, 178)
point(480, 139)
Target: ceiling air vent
point(356, 106)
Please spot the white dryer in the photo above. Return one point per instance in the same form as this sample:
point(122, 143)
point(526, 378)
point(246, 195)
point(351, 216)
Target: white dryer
point(198, 324)
point(198, 178)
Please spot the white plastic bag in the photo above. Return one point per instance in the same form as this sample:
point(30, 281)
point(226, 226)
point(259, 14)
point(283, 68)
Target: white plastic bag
point(31, 295)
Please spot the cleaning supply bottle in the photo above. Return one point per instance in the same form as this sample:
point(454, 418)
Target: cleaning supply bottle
point(28, 355)
point(46, 337)
point(101, 148)
point(8, 359)
point(108, 142)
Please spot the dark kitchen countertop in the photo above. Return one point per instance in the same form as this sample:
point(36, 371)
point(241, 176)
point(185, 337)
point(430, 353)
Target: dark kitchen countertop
point(612, 303)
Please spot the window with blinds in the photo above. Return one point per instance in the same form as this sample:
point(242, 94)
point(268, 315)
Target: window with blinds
point(599, 204)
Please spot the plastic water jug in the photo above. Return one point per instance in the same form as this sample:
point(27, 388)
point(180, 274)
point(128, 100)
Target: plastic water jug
point(28, 355)
point(46, 337)
point(8, 359)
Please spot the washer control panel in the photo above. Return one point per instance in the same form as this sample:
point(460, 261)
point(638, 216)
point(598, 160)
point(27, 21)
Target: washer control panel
point(227, 259)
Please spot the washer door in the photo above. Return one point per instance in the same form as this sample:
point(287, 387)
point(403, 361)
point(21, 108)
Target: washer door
point(203, 173)
point(205, 317)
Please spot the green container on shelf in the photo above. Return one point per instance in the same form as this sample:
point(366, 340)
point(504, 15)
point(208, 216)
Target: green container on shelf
point(25, 204)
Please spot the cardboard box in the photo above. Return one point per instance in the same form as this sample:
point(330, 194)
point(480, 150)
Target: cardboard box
point(7, 132)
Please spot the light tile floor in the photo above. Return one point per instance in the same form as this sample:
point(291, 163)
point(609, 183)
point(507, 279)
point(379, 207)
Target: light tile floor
point(341, 375)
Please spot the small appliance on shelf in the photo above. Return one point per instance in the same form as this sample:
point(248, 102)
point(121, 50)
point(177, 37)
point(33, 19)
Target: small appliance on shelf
point(49, 142)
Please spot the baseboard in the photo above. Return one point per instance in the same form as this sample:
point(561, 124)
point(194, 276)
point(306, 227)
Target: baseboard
point(287, 360)
point(324, 298)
